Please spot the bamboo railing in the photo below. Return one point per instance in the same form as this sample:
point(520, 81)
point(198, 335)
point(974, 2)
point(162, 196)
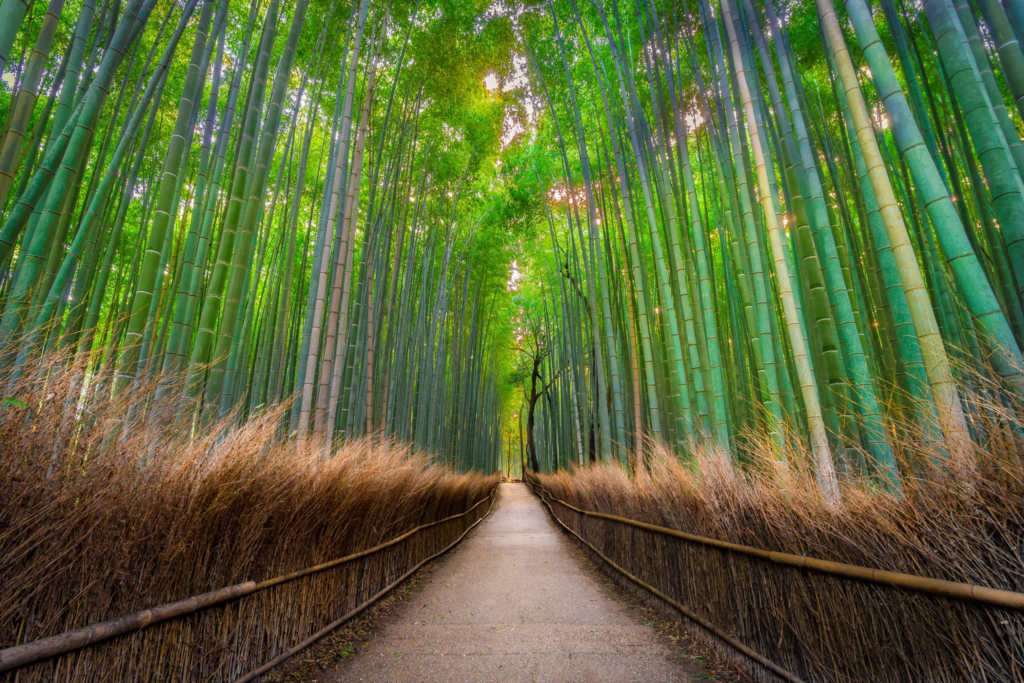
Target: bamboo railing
point(803, 654)
point(43, 649)
point(920, 584)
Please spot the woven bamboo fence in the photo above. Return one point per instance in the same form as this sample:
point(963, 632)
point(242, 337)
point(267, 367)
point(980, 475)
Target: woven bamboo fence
point(249, 625)
point(810, 619)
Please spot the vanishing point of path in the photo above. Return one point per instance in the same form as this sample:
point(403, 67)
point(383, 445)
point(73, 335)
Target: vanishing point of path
point(512, 603)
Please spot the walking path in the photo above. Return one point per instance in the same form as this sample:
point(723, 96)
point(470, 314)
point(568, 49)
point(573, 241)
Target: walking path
point(512, 603)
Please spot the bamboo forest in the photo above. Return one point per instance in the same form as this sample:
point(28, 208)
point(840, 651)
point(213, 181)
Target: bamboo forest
point(701, 321)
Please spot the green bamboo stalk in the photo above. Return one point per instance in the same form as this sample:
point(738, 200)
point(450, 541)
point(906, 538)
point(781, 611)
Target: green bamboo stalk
point(819, 439)
point(211, 309)
point(947, 402)
point(18, 119)
point(964, 263)
point(168, 185)
point(75, 145)
point(240, 265)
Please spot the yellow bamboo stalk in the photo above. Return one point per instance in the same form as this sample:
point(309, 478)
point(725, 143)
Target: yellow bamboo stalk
point(805, 374)
point(947, 401)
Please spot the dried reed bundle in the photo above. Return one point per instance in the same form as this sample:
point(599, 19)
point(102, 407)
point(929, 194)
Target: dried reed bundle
point(106, 513)
point(966, 528)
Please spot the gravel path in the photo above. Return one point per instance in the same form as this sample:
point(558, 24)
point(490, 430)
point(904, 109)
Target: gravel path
point(512, 603)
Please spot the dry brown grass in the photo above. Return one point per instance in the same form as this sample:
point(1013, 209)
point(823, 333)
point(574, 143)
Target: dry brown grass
point(968, 528)
point(93, 527)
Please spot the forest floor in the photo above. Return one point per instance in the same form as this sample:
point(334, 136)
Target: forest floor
point(517, 601)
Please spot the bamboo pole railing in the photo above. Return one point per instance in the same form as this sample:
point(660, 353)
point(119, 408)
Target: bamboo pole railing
point(920, 584)
point(53, 646)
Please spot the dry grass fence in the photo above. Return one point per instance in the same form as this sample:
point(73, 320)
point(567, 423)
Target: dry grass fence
point(94, 526)
point(817, 626)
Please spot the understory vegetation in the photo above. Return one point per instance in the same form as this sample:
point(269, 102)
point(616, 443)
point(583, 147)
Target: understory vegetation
point(89, 533)
point(817, 626)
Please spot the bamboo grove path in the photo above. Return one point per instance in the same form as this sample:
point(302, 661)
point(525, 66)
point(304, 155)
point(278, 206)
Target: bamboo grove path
point(512, 603)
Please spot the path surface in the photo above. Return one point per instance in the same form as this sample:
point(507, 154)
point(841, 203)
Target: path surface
point(513, 604)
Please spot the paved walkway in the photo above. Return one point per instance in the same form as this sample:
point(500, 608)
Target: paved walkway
point(513, 604)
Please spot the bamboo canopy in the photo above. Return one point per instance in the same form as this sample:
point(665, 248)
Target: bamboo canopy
point(579, 227)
